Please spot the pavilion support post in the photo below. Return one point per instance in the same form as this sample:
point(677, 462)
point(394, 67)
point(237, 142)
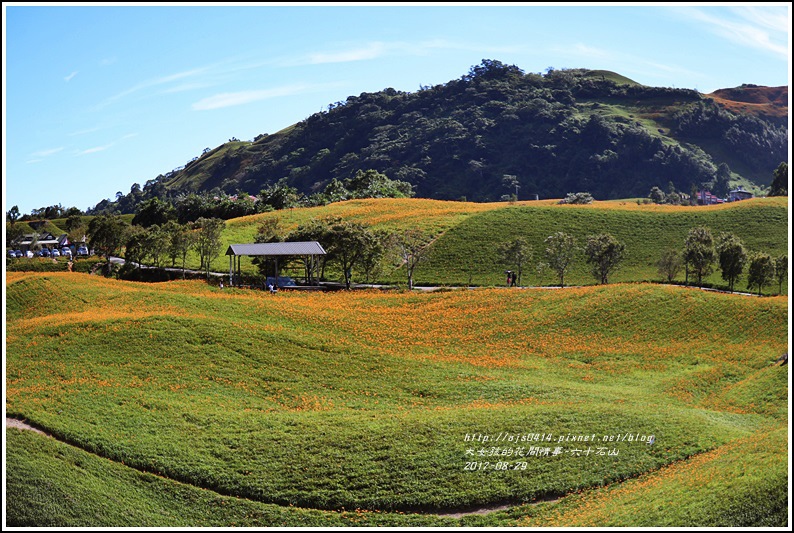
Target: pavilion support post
point(231, 277)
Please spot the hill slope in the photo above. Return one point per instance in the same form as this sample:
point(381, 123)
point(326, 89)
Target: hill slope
point(372, 401)
point(564, 131)
point(766, 102)
point(468, 234)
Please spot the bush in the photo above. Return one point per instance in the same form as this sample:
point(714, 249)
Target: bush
point(577, 198)
point(85, 266)
point(35, 265)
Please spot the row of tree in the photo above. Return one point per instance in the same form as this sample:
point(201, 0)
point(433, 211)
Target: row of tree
point(158, 209)
point(702, 252)
point(349, 246)
point(602, 252)
point(109, 235)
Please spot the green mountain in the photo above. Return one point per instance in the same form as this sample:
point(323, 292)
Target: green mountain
point(559, 132)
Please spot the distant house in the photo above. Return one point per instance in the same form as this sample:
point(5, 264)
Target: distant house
point(45, 240)
point(739, 194)
point(706, 198)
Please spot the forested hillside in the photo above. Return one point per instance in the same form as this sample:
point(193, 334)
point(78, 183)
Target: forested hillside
point(554, 133)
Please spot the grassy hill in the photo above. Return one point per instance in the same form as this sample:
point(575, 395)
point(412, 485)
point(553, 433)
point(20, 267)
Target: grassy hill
point(564, 131)
point(769, 102)
point(468, 234)
point(187, 405)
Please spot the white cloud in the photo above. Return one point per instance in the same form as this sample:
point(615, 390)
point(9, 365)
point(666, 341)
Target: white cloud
point(68, 78)
point(186, 87)
point(83, 132)
point(94, 149)
point(153, 83)
point(48, 152)
point(582, 50)
point(766, 29)
point(377, 49)
point(778, 20)
point(368, 51)
point(246, 97)
point(104, 147)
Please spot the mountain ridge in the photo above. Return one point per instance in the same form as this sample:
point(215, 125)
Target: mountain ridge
point(562, 131)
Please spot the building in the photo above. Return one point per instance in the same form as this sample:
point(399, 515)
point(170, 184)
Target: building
point(706, 198)
point(43, 240)
point(739, 194)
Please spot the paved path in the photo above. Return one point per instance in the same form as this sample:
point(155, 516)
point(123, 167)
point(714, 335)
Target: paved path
point(14, 423)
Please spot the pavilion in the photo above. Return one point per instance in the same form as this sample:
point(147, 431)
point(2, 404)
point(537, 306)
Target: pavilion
point(308, 251)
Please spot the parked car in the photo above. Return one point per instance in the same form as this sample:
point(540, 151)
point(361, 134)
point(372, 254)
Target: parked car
point(18, 253)
point(12, 254)
point(29, 254)
point(44, 252)
point(82, 251)
point(55, 253)
point(66, 252)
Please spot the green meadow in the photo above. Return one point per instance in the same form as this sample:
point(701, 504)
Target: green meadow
point(181, 404)
point(467, 235)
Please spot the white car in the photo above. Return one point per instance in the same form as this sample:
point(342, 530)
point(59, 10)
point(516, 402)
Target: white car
point(55, 252)
point(29, 253)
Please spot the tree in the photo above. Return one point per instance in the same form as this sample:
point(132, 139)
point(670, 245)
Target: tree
point(699, 253)
point(180, 240)
point(14, 233)
point(657, 195)
point(73, 222)
point(280, 195)
point(779, 185)
point(208, 240)
point(372, 184)
point(347, 242)
point(13, 215)
point(157, 242)
point(409, 247)
point(135, 246)
point(722, 180)
point(781, 272)
point(371, 258)
point(761, 271)
point(577, 198)
point(315, 229)
point(603, 253)
point(511, 182)
point(335, 191)
point(515, 254)
point(732, 257)
point(669, 265)
point(146, 243)
point(269, 230)
point(107, 234)
point(154, 211)
point(560, 252)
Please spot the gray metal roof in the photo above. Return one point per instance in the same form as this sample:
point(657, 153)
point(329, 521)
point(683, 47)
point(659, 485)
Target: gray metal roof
point(277, 248)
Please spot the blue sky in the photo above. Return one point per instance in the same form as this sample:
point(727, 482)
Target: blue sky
point(96, 98)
